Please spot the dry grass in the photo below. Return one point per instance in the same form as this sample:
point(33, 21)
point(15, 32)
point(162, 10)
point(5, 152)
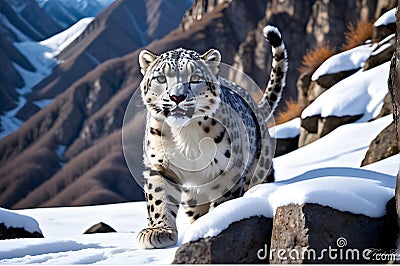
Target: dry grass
point(315, 57)
point(357, 34)
point(293, 110)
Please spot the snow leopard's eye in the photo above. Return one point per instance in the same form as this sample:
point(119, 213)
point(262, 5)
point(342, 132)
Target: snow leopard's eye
point(161, 79)
point(195, 78)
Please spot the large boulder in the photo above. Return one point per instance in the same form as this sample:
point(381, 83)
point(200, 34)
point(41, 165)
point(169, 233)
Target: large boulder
point(315, 127)
point(383, 146)
point(239, 243)
point(311, 233)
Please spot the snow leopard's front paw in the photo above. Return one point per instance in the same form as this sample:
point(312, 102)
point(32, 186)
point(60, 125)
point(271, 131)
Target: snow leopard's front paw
point(157, 237)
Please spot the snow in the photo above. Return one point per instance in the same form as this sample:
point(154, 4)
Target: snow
point(42, 56)
point(9, 121)
point(35, 52)
point(360, 94)
point(15, 220)
point(59, 42)
point(345, 146)
point(286, 130)
point(387, 18)
point(64, 242)
point(352, 59)
point(42, 103)
point(382, 48)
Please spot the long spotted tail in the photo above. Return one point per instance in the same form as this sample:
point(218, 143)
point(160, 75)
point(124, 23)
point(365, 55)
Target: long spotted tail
point(277, 78)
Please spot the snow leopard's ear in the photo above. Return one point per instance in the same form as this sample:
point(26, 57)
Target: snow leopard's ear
point(146, 58)
point(213, 58)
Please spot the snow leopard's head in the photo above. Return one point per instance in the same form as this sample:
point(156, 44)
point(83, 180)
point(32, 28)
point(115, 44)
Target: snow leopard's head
point(180, 84)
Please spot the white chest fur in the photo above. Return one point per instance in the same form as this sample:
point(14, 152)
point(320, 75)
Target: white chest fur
point(193, 155)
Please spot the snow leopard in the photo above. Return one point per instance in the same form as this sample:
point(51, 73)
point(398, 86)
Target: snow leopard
point(206, 139)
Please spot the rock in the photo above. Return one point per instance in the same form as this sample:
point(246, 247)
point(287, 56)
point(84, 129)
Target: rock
point(383, 146)
point(239, 243)
point(198, 10)
point(312, 92)
point(315, 127)
point(328, 80)
point(310, 228)
point(12, 233)
point(100, 228)
point(377, 59)
point(303, 83)
point(381, 32)
point(287, 145)
point(387, 107)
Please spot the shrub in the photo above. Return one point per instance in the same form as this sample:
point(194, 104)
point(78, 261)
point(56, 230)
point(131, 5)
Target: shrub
point(357, 34)
point(293, 109)
point(312, 59)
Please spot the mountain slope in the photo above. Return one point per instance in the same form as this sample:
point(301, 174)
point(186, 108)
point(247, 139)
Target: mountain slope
point(120, 29)
point(18, 23)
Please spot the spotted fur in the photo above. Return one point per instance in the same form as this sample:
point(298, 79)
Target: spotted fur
point(206, 139)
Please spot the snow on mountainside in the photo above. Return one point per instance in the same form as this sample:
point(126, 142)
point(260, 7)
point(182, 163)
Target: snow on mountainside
point(66, 13)
point(60, 41)
point(42, 55)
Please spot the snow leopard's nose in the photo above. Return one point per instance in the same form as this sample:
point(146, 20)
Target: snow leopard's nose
point(178, 98)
